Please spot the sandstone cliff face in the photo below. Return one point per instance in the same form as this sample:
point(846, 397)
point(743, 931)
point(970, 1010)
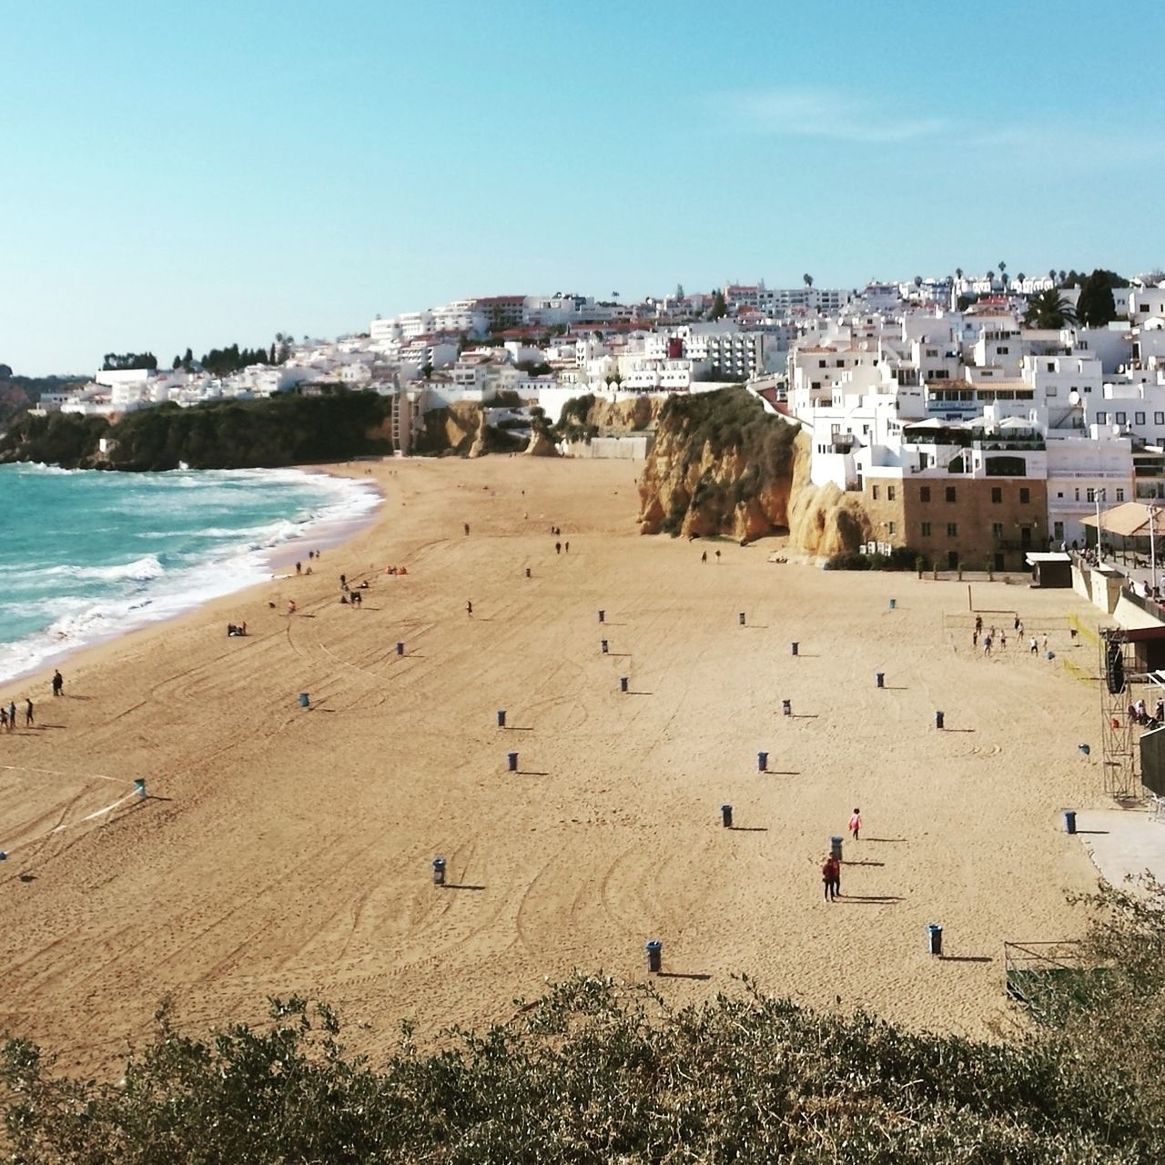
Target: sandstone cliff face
point(703, 492)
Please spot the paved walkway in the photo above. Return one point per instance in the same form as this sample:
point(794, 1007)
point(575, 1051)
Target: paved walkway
point(1122, 842)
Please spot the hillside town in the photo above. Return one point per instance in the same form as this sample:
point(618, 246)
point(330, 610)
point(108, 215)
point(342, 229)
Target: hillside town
point(978, 418)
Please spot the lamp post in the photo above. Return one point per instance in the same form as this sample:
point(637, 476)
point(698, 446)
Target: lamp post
point(1097, 496)
point(1152, 549)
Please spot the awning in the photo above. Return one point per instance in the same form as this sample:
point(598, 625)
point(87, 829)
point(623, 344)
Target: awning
point(1130, 519)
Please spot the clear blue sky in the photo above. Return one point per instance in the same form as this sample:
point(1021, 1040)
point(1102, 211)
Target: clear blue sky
point(215, 172)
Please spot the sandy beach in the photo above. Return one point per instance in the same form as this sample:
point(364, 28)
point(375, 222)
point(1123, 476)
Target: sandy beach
point(284, 850)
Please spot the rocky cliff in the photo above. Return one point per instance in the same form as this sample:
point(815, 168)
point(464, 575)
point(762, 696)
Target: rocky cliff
point(721, 465)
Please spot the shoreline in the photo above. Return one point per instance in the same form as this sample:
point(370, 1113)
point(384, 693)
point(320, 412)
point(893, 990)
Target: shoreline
point(328, 532)
point(285, 849)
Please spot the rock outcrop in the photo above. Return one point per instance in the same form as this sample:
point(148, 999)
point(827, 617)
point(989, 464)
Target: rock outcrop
point(723, 466)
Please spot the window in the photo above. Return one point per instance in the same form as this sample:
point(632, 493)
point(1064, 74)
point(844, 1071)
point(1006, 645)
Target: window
point(1121, 418)
point(1101, 418)
point(1059, 493)
point(1002, 350)
point(891, 493)
point(1025, 495)
point(1058, 531)
point(1159, 418)
point(996, 529)
point(874, 492)
point(1138, 418)
point(1051, 366)
point(1090, 496)
point(924, 494)
point(952, 529)
point(950, 493)
point(1078, 493)
point(996, 494)
point(820, 363)
point(1120, 494)
point(890, 528)
point(926, 529)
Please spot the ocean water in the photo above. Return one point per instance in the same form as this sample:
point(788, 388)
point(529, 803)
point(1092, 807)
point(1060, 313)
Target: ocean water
point(86, 555)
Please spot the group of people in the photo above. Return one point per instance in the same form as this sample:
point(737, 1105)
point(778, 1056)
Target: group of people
point(1139, 713)
point(995, 635)
point(8, 716)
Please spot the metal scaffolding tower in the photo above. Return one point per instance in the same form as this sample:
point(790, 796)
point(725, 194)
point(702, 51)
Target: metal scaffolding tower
point(1118, 735)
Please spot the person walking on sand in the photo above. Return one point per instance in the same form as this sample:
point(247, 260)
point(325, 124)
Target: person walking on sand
point(299, 568)
point(469, 608)
point(855, 824)
point(3, 719)
point(704, 556)
point(1017, 625)
point(1033, 646)
point(467, 527)
point(558, 548)
point(831, 878)
point(29, 720)
point(12, 716)
point(58, 683)
point(1045, 643)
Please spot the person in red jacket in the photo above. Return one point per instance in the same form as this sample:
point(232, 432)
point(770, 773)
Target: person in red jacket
point(831, 878)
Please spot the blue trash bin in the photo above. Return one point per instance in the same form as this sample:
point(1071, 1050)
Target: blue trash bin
point(602, 616)
point(512, 761)
point(893, 604)
point(400, 649)
point(835, 847)
point(726, 815)
point(741, 618)
point(654, 950)
point(794, 648)
point(787, 707)
point(501, 717)
point(304, 700)
point(938, 720)
point(1070, 820)
point(438, 871)
point(880, 679)
point(623, 683)
point(934, 938)
point(603, 646)
point(762, 761)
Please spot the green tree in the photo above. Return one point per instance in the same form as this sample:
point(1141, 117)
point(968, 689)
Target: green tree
point(1096, 306)
point(1049, 310)
point(719, 308)
point(807, 279)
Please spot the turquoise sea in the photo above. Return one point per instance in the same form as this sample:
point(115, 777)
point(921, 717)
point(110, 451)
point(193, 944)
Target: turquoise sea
point(86, 555)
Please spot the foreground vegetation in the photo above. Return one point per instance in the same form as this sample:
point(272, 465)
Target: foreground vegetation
point(596, 1072)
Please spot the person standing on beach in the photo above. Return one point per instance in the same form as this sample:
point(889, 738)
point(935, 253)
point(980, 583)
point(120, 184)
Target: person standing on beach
point(11, 715)
point(58, 683)
point(4, 719)
point(558, 548)
point(855, 824)
point(704, 556)
point(299, 568)
point(831, 878)
point(469, 608)
point(29, 720)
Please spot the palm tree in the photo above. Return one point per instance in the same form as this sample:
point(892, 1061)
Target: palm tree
point(808, 279)
point(1020, 278)
point(1052, 274)
point(1002, 268)
point(959, 272)
point(1049, 310)
point(918, 281)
